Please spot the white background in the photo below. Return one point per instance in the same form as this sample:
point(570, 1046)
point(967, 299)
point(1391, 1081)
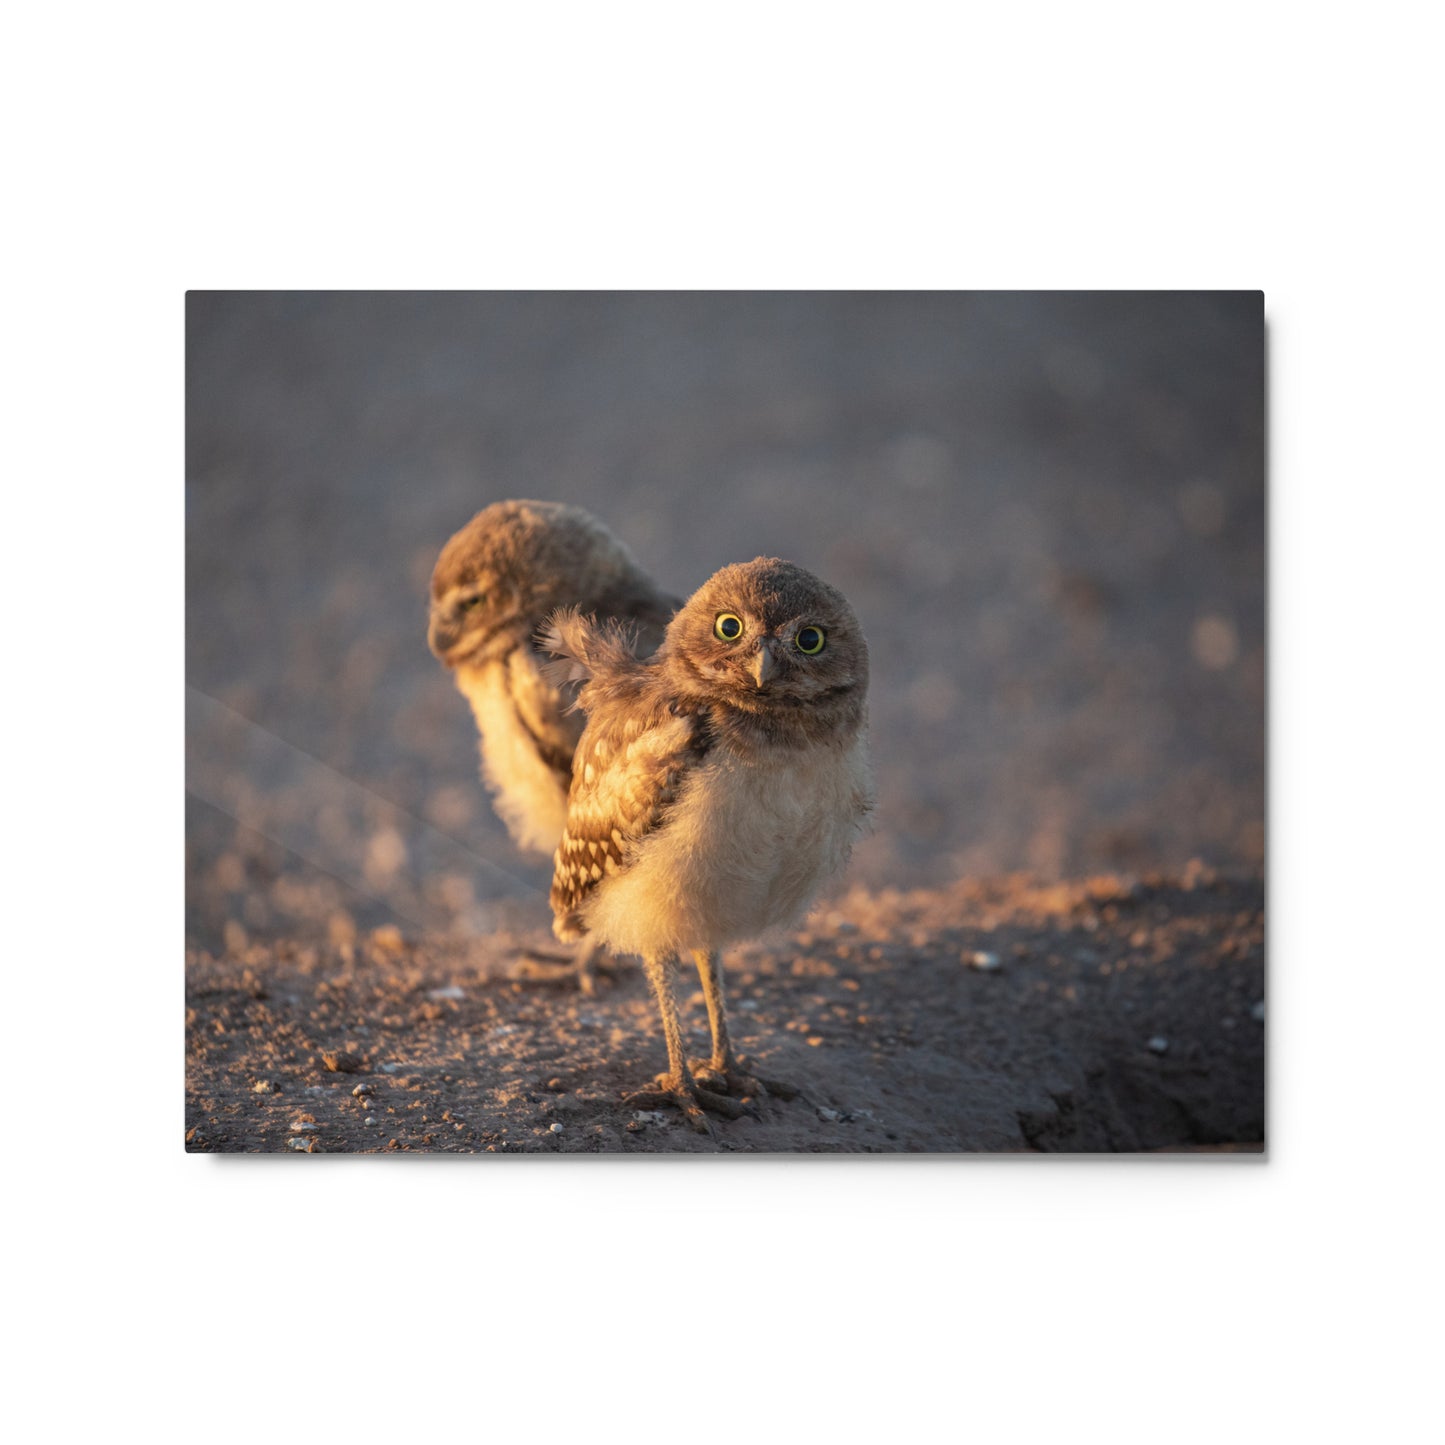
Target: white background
point(152, 149)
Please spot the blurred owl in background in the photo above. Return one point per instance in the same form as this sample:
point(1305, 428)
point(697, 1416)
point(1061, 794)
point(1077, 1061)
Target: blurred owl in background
point(494, 584)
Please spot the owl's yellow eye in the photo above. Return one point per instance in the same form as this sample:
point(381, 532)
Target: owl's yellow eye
point(810, 640)
point(729, 626)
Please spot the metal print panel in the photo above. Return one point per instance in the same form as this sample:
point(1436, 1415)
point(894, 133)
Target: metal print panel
point(718, 722)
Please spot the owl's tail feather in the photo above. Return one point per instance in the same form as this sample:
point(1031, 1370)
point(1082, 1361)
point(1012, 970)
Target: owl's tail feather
point(583, 648)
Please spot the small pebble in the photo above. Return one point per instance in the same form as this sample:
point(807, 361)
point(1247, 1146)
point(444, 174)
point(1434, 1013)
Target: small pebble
point(815, 1041)
point(648, 1116)
point(1257, 1012)
point(983, 961)
point(829, 1116)
point(302, 1126)
point(1158, 1044)
point(452, 990)
point(302, 1146)
point(263, 1086)
point(362, 1091)
point(340, 1062)
point(556, 1128)
point(370, 1119)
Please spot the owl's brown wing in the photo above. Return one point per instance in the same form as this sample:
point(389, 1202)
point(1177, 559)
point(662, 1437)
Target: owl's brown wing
point(629, 767)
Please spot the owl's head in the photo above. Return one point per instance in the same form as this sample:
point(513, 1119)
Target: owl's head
point(511, 565)
point(770, 639)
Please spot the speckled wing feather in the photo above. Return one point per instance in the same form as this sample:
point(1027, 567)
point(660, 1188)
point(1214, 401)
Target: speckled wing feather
point(629, 767)
point(544, 711)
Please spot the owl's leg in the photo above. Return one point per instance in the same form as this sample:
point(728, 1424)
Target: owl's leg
point(587, 964)
point(677, 1086)
point(725, 1070)
point(709, 969)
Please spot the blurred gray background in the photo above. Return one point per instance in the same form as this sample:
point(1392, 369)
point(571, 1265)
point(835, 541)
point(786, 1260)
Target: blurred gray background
point(1047, 508)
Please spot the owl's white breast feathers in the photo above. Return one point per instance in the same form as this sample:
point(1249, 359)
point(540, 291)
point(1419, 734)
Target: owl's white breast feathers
point(744, 847)
point(515, 710)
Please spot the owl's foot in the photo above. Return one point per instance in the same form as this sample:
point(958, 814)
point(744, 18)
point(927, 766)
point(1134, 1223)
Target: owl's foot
point(535, 966)
point(691, 1098)
point(738, 1079)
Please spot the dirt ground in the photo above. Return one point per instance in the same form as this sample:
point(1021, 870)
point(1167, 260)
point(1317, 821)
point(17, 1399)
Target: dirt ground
point(1007, 1015)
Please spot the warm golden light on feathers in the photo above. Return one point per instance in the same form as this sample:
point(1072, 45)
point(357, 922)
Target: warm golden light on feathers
point(494, 584)
point(718, 785)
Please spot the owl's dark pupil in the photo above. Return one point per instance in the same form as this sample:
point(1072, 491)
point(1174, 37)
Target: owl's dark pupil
point(809, 638)
point(731, 627)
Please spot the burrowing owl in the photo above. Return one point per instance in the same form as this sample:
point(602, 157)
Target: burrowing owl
point(495, 582)
point(718, 785)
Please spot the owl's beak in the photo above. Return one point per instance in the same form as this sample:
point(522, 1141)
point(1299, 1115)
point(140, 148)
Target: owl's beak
point(442, 634)
point(763, 664)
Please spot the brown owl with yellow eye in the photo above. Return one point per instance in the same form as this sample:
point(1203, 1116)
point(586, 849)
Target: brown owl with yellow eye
point(718, 785)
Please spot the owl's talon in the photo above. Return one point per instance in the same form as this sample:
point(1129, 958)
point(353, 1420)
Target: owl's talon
point(708, 1077)
point(742, 1071)
point(739, 1081)
point(690, 1099)
point(728, 1108)
point(674, 1098)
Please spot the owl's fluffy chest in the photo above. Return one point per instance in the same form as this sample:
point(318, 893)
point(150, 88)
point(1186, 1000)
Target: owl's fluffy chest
point(747, 844)
point(518, 716)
